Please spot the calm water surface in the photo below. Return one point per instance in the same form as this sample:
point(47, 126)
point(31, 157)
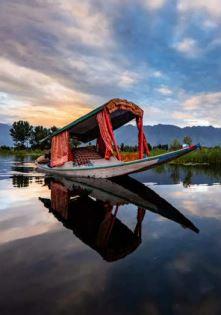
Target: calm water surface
point(67, 249)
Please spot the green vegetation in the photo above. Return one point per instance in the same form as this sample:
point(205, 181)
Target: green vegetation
point(204, 155)
point(26, 139)
point(21, 133)
point(26, 136)
point(27, 142)
point(38, 133)
point(175, 145)
point(131, 148)
point(187, 140)
point(4, 150)
point(157, 151)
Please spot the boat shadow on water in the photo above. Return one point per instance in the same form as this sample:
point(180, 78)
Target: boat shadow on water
point(89, 207)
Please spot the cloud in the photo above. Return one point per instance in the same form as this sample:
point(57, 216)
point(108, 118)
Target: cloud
point(164, 90)
point(193, 206)
point(204, 100)
point(54, 34)
point(59, 59)
point(29, 94)
point(154, 4)
point(37, 97)
point(212, 7)
point(58, 114)
point(188, 47)
point(204, 108)
point(210, 24)
point(24, 82)
point(154, 115)
point(60, 56)
point(59, 21)
point(86, 25)
point(17, 222)
point(157, 74)
point(127, 79)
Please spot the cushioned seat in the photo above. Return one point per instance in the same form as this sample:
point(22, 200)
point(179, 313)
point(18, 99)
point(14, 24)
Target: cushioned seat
point(83, 155)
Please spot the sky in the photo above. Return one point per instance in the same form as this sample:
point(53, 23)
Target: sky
point(62, 58)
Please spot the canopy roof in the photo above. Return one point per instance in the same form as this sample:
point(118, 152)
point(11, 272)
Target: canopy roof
point(86, 128)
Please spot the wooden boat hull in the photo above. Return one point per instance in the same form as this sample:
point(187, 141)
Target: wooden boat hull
point(119, 169)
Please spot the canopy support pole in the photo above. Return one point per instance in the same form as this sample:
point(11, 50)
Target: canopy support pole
point(142, 142)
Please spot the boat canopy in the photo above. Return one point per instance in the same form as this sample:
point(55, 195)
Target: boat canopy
point(99, 124)
point(86, 128)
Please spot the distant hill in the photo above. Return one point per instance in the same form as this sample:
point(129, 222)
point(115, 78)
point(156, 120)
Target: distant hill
point(164, 134)
point(158, 134)
point(5, 138)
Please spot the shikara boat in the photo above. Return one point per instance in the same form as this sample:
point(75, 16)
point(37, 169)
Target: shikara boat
point(90, 208)
point(103, 160)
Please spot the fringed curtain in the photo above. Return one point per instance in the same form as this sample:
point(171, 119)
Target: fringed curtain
point(61, 149)
point(140, 216)
point(106, 226)
point(142, 142)
point(106, 140)
point(101, 148)
point(60, 198)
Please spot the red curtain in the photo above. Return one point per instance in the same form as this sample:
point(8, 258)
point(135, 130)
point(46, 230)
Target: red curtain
point(142, 142)
point(60, 149)
point(107, 139)
point(140, 216)
point(106, 226)
point(101, 146)
point(60, 198)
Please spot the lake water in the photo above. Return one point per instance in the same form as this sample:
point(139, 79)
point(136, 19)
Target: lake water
point(73, 248)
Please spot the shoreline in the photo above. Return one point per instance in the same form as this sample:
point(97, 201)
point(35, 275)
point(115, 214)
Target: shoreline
point(21, 152)
point(202, 157)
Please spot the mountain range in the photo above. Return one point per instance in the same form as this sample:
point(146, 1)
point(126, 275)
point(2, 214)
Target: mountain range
point(5, 138)
point(165, 134)
point(157, 134)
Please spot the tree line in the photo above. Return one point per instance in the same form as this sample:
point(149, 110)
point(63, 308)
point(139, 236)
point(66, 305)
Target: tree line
point(174, 145)
point(26, 136)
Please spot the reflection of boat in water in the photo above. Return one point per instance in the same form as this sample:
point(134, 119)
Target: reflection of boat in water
point(89, 207)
